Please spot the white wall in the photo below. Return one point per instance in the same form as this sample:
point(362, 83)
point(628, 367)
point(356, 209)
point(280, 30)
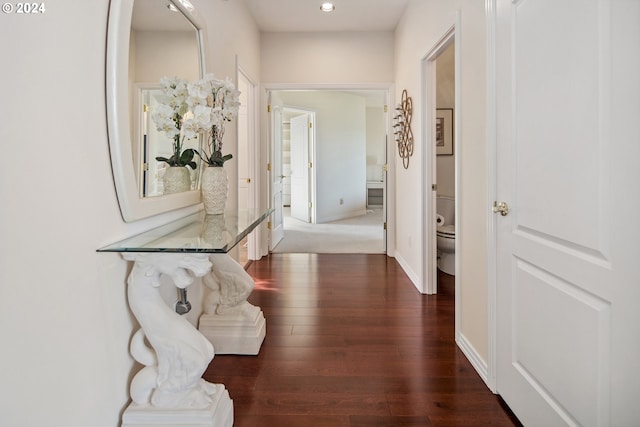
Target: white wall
point(152, 48)
point(65, 324)
point(423, 25)
point(340, 150)
point(327, 57)
point(376, 143)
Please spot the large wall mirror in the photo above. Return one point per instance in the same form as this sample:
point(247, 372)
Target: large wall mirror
point(148, 40)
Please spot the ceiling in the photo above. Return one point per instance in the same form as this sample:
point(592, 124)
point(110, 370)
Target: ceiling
point(291, 16)
point(154, 15)
point(286, 15)
point(305, 15)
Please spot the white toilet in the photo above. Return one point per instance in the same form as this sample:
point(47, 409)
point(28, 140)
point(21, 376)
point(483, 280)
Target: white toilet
point(446, 234)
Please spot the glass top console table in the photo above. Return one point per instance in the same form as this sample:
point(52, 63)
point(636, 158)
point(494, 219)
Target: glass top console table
point(196, 233)
point(175, 354)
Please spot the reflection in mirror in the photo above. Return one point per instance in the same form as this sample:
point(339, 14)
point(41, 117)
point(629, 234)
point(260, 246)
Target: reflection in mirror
point(153, 144)
point(147, 40)
point(163, 43)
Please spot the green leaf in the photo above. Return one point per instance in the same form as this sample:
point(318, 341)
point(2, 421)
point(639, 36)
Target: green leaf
point(187, 156)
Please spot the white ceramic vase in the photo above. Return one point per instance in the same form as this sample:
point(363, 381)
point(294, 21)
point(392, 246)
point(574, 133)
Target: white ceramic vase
point(176, 179)
point(215, 186)
point(214, 230)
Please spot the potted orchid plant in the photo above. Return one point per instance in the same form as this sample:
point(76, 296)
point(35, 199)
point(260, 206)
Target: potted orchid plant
point(169, 117)
point(214, 102)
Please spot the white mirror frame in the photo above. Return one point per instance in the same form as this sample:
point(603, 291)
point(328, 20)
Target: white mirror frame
point(132, 206)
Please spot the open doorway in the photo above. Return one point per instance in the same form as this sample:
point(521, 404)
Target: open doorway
point(335, 178)
point(445, 161)
point(439, 162)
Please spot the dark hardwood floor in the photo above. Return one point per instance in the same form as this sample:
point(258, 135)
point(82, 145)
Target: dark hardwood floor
point(351, 343)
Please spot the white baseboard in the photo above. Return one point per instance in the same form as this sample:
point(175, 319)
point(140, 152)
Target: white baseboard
point(415, 279)
point(474, 358)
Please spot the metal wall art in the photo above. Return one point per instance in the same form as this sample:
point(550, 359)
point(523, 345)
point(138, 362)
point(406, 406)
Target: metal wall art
point(402, 129)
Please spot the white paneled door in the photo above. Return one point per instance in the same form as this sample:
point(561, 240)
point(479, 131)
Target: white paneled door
point(300, 208)
point(568, 280)
point(276, 176)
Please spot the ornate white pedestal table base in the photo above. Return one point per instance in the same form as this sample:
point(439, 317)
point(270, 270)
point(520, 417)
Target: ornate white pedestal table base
point(218, 413)
point(169, 389)
point(231, 324)
point(235, 333)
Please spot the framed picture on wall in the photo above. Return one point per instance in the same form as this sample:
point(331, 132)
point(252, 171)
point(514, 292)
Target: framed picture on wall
point(444, 131)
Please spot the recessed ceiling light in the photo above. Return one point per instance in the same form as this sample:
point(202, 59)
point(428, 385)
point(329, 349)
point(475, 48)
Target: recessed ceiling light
point(327, 7)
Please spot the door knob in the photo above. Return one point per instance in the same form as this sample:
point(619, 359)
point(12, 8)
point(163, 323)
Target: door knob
point(501, 207)
point(248, 180)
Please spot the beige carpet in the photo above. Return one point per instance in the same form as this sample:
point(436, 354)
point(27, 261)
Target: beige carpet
point(359, 235)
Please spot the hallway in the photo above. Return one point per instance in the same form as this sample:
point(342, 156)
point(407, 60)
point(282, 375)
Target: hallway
point(351, 343)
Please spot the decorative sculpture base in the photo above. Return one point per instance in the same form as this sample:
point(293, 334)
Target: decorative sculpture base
point(168, 389)
point(218, 414)
point(241, 331)
point(229, 322)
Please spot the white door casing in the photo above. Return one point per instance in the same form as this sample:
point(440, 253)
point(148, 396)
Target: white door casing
point(428, 96)
point(277, 221)
point(247, 153)
point(300, 208)
point(567, 323)
point(244, 174)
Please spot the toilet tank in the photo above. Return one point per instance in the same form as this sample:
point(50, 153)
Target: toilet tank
point(446, 206)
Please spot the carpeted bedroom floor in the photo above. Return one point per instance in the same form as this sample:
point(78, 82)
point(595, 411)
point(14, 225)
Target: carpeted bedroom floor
point(361, 235)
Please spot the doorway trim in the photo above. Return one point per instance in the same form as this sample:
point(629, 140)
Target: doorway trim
point(389, 88)
point(429, 272)
point(492, 185)
point(429, 181)
point(253, 239)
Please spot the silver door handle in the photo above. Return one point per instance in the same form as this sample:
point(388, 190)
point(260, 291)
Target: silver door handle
point(501, 207)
